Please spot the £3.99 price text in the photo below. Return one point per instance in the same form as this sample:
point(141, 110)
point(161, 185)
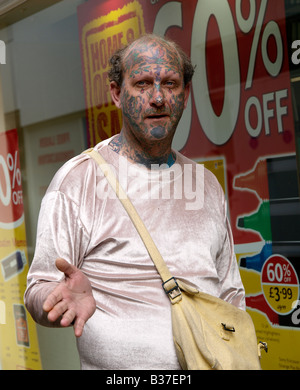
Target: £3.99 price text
point(280, 284)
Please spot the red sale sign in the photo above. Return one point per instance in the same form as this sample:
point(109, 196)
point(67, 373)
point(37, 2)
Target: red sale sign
point(238, 122)
point(11, 195)
point(240, 106)
point(18, 339)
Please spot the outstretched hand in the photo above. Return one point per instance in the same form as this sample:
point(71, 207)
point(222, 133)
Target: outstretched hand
point(72, 299)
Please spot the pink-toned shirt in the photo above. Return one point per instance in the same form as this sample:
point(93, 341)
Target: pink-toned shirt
point(82, 221)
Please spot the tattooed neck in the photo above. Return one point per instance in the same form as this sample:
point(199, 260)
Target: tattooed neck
point(141, 156)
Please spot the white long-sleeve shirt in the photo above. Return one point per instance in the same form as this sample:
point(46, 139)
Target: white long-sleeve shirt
point(82, 221)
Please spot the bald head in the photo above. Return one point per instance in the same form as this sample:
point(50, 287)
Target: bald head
point(140, 51)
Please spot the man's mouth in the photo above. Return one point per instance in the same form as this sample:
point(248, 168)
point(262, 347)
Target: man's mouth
point(157, 116)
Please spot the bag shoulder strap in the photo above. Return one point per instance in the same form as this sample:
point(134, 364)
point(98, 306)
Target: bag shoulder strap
point(169, 282)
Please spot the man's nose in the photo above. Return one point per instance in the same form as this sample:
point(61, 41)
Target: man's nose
point(158, 98)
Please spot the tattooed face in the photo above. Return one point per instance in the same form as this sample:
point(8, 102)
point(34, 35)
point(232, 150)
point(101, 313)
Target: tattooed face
point(153, 95)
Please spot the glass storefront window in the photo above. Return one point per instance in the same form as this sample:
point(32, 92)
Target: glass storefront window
point(43, 98)
point(292, 9)
point(242, 122)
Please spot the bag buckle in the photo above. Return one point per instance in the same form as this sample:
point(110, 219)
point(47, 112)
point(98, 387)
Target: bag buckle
point(229, 328)
point(171, 288)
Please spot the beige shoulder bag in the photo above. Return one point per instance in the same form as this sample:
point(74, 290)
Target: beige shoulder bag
point(208, 332)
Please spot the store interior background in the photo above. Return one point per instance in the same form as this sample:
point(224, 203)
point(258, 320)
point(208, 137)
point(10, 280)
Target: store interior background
point(43, 97)
point(41, 88)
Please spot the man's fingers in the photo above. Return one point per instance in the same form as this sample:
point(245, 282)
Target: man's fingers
point(78, 326)
point(58, 310)
point(56, 296)
point(68, 317)
point(71, 302)
point(65, 267)
point(52, 300)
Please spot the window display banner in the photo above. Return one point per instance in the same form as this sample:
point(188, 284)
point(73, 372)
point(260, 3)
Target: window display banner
point(18, 339)
point(238, 123)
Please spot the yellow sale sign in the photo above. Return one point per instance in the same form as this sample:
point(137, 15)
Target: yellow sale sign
point(18, 339)
point(100, 38)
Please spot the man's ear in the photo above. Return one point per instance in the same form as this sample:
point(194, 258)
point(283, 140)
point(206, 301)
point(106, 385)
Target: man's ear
point(115, 91)
point(187, 90)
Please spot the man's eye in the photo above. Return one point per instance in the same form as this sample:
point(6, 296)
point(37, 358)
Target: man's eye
point(170, 84)
point(142, 83)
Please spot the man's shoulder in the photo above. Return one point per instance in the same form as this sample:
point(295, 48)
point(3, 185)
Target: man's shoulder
point(76, 171)
point(209, 175)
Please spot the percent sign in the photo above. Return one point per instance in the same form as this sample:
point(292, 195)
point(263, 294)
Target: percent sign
point(286, 270)
point(12, 166)
point(9, 165)
point(271, 29)
point(209, 120)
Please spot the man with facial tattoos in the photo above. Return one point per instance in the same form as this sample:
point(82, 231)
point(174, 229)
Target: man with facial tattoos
point(91, 269)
